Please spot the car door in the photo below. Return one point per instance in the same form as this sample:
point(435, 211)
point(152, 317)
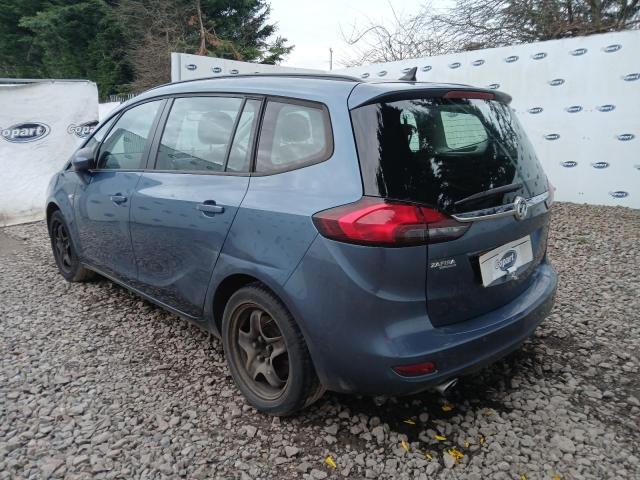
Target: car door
point(103, 201)
point(185, 202)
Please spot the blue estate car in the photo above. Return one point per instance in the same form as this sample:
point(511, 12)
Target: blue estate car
point(378, 237)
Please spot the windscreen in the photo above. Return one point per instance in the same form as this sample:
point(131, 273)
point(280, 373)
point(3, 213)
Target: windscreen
point(439, 152)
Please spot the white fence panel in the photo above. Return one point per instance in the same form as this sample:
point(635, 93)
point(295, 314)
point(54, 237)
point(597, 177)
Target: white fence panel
point(41, 124)
point(579, 101)
point(185, 66)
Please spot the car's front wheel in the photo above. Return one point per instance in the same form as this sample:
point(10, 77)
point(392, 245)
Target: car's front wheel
point(266, 353)
point(64, 251)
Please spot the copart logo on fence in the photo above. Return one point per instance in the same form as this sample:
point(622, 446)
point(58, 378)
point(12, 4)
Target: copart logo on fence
point(612, 48)
point(578, 51)
point(556, 81)
point(625, 137)
point(600, 165)
point(511, 59)
point(535, 110)
point(83, 130)
point(25, 132)
point(552, 136)
point(569, 163)
point(619, 194)
point(539, 55)
point(574, 109)
point(606, 108)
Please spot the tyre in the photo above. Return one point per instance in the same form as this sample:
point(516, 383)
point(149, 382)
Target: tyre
point(64, 252)
point(266, 353)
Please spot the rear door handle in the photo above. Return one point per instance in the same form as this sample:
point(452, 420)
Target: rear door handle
point(118, 198)
point(209, 207)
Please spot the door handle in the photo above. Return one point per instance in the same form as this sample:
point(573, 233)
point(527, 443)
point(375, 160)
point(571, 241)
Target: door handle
point(209, 207)
point(118, 198)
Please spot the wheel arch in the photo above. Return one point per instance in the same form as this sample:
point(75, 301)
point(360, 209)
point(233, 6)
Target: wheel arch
point(234, 282)
point(51, 207)
point(223, 292)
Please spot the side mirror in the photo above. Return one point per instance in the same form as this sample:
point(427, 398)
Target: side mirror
point(83, 160)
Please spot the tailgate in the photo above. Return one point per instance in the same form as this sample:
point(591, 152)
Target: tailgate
point(454, 287)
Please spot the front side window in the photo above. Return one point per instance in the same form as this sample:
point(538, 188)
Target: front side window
point(125, 144)
point(197, 134)
point(293, 135)
point(99, 134)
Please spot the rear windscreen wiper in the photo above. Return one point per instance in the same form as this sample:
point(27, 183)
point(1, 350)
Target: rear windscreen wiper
point(489, 193)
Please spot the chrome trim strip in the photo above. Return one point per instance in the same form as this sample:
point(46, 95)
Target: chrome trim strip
point(497, 212)
point(537, 199)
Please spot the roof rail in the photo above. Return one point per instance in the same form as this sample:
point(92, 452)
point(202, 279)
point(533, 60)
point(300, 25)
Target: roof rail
point(316, 76)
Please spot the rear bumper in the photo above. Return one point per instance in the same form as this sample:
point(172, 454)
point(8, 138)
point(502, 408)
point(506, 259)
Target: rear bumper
point(482, 341)
point(355, 336)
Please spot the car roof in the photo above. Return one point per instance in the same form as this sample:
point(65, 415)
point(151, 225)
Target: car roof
point(318, 87)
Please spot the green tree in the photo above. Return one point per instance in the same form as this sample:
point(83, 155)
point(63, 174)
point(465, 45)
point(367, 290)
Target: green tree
point(232, 29)
point(80, 40)
point(127, 44)
point(17, 57)
point(238, 30)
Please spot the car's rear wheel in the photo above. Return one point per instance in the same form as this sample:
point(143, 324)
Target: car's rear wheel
point(267, 355)
point(64, 252)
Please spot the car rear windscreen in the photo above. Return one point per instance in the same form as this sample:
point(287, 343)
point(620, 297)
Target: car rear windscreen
point(439, 151)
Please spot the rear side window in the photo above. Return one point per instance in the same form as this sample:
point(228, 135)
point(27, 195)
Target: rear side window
point(240, 153)
point(125, 144)
point(293, 135)
point(197, 134)
point(439, 151)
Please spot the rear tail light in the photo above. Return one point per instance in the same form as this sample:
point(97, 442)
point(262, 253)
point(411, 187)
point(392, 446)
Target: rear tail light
point(377, 222)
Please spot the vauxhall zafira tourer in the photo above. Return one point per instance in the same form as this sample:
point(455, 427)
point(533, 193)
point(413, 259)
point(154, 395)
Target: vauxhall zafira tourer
point(379, 237)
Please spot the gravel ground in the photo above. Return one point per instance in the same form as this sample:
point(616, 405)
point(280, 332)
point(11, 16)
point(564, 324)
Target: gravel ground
point(96, 383)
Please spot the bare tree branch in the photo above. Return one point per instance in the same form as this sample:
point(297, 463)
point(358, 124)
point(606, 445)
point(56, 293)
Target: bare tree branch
point(403, 37)
point(474, 24)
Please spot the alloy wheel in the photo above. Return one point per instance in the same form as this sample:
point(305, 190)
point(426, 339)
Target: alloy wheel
point(62, 245)
point(261, 352)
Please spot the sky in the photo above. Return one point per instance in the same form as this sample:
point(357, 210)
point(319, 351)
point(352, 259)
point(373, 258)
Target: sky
point(315, 26)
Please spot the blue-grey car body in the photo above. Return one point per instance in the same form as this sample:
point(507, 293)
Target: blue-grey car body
point(362, 310)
